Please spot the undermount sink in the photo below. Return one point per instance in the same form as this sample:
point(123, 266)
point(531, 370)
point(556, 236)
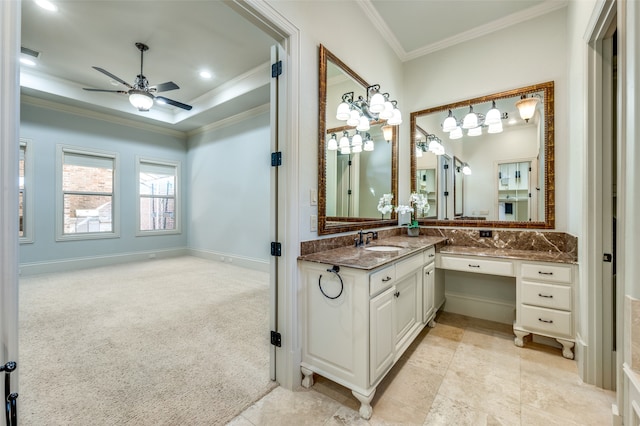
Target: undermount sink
point(383, 248)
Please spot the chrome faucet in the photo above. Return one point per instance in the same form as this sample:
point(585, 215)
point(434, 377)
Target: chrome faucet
point(360, 241)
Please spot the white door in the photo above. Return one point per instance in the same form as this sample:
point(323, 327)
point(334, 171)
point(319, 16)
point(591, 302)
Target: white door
point(9, 153)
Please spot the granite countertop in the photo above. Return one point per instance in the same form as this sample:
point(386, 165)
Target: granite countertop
point(533, 255)
point(361, 258)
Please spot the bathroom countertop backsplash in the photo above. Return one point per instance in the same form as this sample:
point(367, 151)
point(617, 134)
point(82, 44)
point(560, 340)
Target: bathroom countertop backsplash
point(541, 246)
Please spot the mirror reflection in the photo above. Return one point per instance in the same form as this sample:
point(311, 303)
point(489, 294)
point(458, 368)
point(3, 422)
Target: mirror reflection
point(357, 165)
point(502, 150)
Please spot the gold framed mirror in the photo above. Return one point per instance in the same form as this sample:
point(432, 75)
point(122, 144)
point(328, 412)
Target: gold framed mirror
point(351, 185)
point(509, 170)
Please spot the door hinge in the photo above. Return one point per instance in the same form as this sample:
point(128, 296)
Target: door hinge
point(276, 69)
point(276, 249)
point(446, 193)
point(607, 257)
point(276, 159)
point(446, 166)
point(276, 339)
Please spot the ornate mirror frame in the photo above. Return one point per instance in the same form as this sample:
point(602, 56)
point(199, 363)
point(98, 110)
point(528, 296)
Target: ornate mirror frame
point(334, 225)
point(549, 166)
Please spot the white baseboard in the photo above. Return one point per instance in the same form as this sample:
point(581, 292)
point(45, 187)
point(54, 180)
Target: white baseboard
point(477, 307)
point(96, 261)
point(245, 262)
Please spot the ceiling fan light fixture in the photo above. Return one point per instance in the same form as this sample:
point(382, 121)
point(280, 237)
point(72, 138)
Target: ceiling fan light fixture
point(140, 99)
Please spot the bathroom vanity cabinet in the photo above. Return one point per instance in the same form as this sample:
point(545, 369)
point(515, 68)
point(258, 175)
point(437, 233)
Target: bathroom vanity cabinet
point(358, 322)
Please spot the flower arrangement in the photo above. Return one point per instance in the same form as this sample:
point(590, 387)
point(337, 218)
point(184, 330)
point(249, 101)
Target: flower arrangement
point(416, 202)
point(384, 205)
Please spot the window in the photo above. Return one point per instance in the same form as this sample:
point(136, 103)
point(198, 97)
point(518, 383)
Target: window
point(158, 197)
point(25, 192)
point(86, 194)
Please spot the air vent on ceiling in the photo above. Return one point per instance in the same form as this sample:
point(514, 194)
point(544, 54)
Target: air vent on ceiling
point(29, 52)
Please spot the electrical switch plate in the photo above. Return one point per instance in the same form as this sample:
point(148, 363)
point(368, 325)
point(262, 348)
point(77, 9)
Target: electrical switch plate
point(313, 197)
point(314, 223)
point(485, 234)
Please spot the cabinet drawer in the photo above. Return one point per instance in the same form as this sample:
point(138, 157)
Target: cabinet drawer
point(409, 265)
point(381, 280)
point(549, 321)
point(429, 255)
point(546, 272)
point(475, 264)
point(546, 295)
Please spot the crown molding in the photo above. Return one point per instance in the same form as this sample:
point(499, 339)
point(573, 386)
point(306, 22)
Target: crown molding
point(542, 9)
point(44, 103)
point(382, 27)
point(234, 119)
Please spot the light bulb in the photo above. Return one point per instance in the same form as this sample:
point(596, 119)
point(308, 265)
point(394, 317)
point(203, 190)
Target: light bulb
point(332, 145)
point(449, 123)
point(456, 133)
point(476, 131)
point(368, 145)
point(495, 128)
point(376, 104)
point(356, 140)
point(343, 113)
point(470, 120)
point(345, 150)
point(493, 115)
point(344, 141)
point(354, 118)
point(387, 112)
point(356, 149)
point(363, 124)
point(396, 118)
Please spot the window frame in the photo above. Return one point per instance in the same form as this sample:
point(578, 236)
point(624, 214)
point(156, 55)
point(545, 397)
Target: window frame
point(28, 211)
point(61, 150)
point(176, 197)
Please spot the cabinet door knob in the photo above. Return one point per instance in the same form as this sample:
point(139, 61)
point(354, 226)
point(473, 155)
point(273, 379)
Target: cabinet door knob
point(396, 294)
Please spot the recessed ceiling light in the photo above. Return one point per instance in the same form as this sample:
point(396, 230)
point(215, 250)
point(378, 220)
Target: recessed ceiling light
point(27, 61)
point(47, 5)
point(205, 74)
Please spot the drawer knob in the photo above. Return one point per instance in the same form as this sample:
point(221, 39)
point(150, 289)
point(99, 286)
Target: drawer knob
point(545, 321)
point(474, 266)
point(384, 280)
point(545, 273)
point(548, 296)
point(432, 255)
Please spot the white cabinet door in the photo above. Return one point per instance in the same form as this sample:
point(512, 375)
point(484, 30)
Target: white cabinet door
point(428, 290)
point(407, 306)
point(381, 345)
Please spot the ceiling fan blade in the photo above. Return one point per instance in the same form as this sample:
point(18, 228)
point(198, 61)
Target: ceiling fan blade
point(118, 79)
point(174, 103)
point(104, 90)
point(164, 87)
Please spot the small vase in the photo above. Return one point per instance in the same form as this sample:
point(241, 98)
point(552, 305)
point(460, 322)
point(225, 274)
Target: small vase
point(413, 232)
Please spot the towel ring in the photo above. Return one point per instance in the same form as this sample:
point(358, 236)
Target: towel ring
point(335, 269)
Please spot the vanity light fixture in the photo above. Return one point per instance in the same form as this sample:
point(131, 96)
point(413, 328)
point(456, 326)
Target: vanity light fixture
point(473, 122)
point(361, 112)
point(432, 144)
point(527, 106)
point(348, 145)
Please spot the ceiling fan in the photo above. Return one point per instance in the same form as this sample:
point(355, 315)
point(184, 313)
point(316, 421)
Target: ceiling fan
point(141, 95)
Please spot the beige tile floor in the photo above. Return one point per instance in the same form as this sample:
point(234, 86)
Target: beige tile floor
point(464, 371)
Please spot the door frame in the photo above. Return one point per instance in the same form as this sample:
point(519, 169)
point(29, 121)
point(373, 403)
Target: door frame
point(10, 13)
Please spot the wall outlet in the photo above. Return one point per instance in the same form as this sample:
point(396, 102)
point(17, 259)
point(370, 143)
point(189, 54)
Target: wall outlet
point(485, 234)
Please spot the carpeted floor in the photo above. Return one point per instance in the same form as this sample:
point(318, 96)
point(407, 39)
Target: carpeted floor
point(163, 342)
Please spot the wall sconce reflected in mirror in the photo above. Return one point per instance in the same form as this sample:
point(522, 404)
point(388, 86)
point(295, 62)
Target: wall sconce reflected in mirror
point(527, 106)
